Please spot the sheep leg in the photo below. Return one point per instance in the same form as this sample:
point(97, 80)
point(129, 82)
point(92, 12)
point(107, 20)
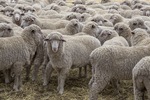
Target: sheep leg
point(61, 79)
point(115, 84)
point(138, 88)
point(47, 74)
point(36, 66)
point(98, 85)
point(17, 72)
point(80, 72)
point(147, 85)
point(43, 66)
point(85, 71)
point(28, 68)
point(7, 76)
point(92, 79)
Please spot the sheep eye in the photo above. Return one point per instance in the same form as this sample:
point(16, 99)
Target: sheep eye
point(75, 24)
point(32, 31)
point(120, 29)
point(82, 16)
point(93, 26)
point(132, 33)
point(105, 20)
point(134, 23)
point(9, 29)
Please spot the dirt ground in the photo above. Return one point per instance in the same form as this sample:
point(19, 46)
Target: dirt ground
point(75, 89)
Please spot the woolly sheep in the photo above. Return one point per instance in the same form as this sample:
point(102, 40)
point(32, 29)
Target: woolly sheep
point(146, 10)
point(140, 37)
point(137, 22)
point(8, 11)
point(44, 24)
point(6, 30)
point(106, 34)
point(141, 78)
point(24, 47)
point(73, 27)
point(72, 49)
point(101, 21)
point(90, 28)
point(17, 16)
point(124, 31)
point(3, 3)
point(113, 62)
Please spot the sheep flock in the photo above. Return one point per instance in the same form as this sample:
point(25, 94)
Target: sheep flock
point(74, 50)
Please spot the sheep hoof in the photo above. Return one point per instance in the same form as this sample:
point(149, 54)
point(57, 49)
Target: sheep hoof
point(60, 92)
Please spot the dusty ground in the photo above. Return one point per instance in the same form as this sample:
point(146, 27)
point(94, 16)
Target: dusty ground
point(75, 89)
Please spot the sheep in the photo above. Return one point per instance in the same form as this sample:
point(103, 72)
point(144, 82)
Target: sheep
point(72, 16)
point(54, 7)
point(8, 11)
point(101, 21)
point(18, 51)
point(116, 18)
point(83, 17)
point(3, 3)
point(140, 37)
point(124, 31)
point(137, 22)
point(56, 47)
point(106, 34)
point(44, 24)
point(146, 10)
point(73, 27)
point(17, 16)
point(113, 62)
point(137, 6)
point(79, 2)
point(29, 9)
point(90, 28)
point(6, 30)
point(105, 1)
point(126, 2)
point(141, 78)
point(130, 13)
point(79, 9)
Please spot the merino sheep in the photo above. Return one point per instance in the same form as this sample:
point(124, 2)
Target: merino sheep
point(3, 3)
point(113, 62)
point(8, 11)
point(79, 9)
point(141, 78)
point(66, 55)
point(140, 37)
point(6, 30)
point(137, 22)
point(101, 21)
point(44, 24)
point(73, 27)
point(17, 51)
point(123, 30)
point(106, 34)
point(17, 16)
point(90, 28)
point(146, 10)
point(29, 9)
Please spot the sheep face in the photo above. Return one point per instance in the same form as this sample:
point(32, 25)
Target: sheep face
point(101, 21)
point(105, 1)
point(137, 6)
point(79, 9)
point(55, 40)
point(17, 15)
point(6, 30)
point(71, 16)
point(13, 1)
point(115, 18)
point(92, 28)
point(138, 34)
point(74, 25)
point(8, 11)
point(33, 31)
point(29, 10)
point(122, 29)
point(27, 20)
point(3, 3)
point(137, 23)
point(146, 11)
point(106, 35)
